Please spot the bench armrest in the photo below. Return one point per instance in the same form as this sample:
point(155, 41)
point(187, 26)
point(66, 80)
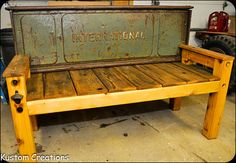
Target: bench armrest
point(19, 66)
point(206, 52)
point(202, 56)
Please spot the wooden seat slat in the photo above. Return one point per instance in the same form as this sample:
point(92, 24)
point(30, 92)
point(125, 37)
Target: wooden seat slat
point(166, 79)
point(58, 84)
point(35, 90)
point(138, 78)
point(86, 82)
point(113, 80)
point(182, 73)
point(198, 70)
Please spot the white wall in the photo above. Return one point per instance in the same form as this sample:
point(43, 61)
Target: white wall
point(142, 2)
point(200, 12)
point(5, 16)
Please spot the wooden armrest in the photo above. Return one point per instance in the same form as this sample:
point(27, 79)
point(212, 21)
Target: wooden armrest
point(19, 66)
point(206, 52)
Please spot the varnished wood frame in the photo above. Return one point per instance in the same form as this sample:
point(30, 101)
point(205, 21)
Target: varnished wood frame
point(99, 100)
point(24, 121)
point(222, 67)
point(21, 118)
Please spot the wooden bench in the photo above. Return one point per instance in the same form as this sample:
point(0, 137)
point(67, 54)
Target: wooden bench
point(39, 85)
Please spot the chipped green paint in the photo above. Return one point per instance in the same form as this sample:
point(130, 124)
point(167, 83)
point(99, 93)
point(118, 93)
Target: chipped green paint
point(66, 36)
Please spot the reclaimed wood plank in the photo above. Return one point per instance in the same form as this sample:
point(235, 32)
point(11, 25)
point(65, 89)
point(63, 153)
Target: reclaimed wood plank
point(163, 77)
point(181, 73)
point(78, 3)
point(138, 78)
point(58, 84)
point(86, 82)
point(91, 3)
point(199, 71)
point(122, 3)
point(113, 80)
point(35, 90)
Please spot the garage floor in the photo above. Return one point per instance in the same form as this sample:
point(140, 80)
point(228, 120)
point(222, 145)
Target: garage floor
point(138, 132)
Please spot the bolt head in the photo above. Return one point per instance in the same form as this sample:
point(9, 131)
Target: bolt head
point(14, 82)
point(19, 109)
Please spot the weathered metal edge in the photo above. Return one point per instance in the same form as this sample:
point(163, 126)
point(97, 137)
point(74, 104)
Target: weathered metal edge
point(103, 63)
point(34, 8)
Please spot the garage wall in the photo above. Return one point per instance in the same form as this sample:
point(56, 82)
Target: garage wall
point(201, 11)
point(5, 16)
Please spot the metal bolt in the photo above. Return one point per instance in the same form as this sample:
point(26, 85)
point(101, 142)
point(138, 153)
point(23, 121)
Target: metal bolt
point(223, 85)
point(14, 82)
point(186, 60)
point(19, 109)
point(227, 64)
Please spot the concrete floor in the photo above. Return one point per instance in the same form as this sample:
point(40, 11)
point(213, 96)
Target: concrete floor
point(138, 132)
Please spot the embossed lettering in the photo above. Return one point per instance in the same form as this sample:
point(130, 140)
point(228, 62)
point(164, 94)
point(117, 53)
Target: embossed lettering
point(107, 36)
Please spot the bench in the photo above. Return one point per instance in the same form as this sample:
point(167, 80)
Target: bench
point(72, 58)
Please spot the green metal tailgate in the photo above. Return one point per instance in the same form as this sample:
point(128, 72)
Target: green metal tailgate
point(56, 35)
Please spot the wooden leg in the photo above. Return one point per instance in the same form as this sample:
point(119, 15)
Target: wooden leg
point(21, 118)
point(34, 123)
point(216, 100)
point(175, 103)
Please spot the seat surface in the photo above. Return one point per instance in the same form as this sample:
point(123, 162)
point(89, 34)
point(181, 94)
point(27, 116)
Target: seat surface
point(113, 79)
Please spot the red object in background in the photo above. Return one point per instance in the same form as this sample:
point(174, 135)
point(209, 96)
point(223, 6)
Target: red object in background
point(218, 22)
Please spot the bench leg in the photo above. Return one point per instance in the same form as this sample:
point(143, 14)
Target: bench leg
point(215, 109)
point(34, 123)
point(175, 103)
point(21, 118)
point(216, 102)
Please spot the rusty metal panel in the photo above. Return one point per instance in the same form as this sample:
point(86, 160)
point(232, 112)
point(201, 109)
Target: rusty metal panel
point(56, 36)
point(107, 36)
point(39, 39)
point(172, 32)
